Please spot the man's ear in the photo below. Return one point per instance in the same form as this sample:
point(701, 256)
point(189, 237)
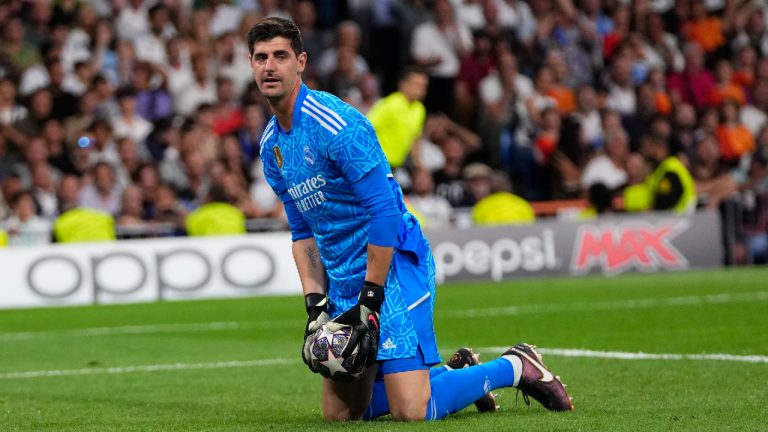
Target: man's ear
point(302, 61)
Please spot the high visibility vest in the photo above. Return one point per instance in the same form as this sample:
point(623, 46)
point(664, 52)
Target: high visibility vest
point(216, 218)
point(84, 224)
point(502, 208)
point(3, 238)
point(656, 182)
point(637, 198)
point(398, 123)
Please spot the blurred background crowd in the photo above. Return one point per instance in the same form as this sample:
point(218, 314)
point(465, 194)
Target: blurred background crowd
point(146, 111)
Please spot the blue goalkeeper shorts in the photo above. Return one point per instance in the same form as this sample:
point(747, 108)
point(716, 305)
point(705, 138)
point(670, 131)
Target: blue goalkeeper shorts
point(407, 324)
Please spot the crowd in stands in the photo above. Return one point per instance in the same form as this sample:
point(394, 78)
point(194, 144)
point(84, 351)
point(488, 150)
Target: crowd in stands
point(147, 110)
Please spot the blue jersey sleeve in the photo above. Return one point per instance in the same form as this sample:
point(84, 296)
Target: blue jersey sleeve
point(356, 150)
point(375, 194)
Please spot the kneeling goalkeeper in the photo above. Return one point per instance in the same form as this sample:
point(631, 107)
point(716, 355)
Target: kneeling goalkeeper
point(361, 256)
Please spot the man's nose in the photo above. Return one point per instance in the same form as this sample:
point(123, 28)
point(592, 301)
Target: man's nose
point(269, 64)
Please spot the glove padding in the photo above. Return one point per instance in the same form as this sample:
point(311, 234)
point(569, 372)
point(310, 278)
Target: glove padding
point(363, 318)
point(317, 315)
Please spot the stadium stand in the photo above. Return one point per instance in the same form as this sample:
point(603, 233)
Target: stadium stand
point(139, 108)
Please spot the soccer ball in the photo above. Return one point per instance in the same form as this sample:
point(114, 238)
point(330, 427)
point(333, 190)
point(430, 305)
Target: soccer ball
point(328, 344)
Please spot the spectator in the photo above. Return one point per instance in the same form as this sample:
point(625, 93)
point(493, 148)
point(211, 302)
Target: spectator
point(347, 40)
point(132, 19)
point(129, 162)
point(706, 30)
point(150, 45)
point(449, 182)
point(167, 208)
point(755, 114)
point(201, 90)
point(227, 114)
point(132, 208)
point(100, 139)
point(735, 139)
point(40, 109)
point(231, 56)
point(178, 71)
point(129, 123)
point(608, 169)
point(249, 134)
point(153, 102)
point(725, 88)
point(588, 117)
point(35, 155)
point(11, 113)
point(24, 226)
point(75, 125)
point(44, 192)
point(435, 210)
point(102, 193)
point(437, 45)
point(714, 183)
point(21, 53)
point(694, 83)
point(473, 68)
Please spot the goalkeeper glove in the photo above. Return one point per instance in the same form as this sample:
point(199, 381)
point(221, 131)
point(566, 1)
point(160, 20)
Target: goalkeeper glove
point(317, 315)
point(364, 320)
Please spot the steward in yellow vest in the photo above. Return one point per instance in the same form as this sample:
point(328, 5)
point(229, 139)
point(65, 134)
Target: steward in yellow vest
point(216, 217)
point(398, 119)
point(670, 186)
point(84, 224)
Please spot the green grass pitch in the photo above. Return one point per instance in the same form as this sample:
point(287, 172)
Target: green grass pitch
point(234, 365)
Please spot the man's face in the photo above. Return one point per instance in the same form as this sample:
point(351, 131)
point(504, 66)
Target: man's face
point(275, 67)
point(414, 87)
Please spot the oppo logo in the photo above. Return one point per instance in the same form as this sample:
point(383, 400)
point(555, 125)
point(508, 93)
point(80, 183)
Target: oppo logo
point(57, 276)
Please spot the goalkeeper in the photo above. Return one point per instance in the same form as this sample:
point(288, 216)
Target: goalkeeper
point(361, 256)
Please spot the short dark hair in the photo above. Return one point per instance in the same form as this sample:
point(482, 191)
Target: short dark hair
point(272, 27)
point(409, 70)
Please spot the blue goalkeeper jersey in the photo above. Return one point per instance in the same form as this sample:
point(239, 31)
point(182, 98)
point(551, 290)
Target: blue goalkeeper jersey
point(330, 146)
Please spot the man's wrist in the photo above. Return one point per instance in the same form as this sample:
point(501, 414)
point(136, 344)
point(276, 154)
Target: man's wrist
point(372, 296)
point(312, 301)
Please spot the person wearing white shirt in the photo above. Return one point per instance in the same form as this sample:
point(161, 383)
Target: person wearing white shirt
point(608, 168)
point(129, 123)
point(24, 226)
point(437, 46)
point(200, 90)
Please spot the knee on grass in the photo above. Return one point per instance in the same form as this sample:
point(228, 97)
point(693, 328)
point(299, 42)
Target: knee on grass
point(409, 410)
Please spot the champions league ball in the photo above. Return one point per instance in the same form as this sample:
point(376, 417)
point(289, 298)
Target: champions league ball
point(328, 344)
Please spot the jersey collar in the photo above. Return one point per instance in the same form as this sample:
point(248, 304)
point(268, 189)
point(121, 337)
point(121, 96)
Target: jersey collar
point(296, 110)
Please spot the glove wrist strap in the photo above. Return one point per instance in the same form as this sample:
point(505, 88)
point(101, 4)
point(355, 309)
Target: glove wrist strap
point(372, 296)
point(314, 301)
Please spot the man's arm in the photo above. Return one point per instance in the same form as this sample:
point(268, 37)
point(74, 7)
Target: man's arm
point(379, 260)
point(310, 266)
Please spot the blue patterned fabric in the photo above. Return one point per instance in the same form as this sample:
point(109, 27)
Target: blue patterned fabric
point(312, 168)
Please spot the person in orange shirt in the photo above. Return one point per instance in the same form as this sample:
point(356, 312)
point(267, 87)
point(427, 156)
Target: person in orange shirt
point(735, 139)
point(725, 87)
point(744, 66)
point(704, 29)
point(661, 97)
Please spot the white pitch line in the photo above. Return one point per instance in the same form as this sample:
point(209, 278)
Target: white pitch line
point(760, 296)
point(146, 329)
point(621, 355)
point(561, 352)
point(145, 368)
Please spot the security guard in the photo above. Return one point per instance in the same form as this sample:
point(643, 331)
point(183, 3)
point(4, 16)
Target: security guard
point(670, 186)
point(216, 217)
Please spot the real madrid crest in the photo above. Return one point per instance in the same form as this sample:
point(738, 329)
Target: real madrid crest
point(278, 156)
